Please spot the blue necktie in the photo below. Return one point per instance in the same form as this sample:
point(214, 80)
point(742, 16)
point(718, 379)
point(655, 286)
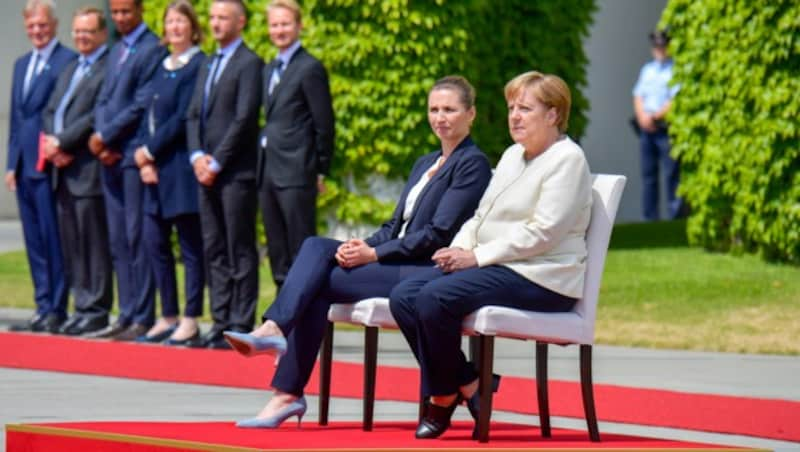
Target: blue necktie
point(276, 76)
point(58, 118)
point(30, 76)
point(124, 54)
point(211, 80)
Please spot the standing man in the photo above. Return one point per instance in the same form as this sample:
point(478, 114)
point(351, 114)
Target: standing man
point(120, 105)
point(297, 142)
point(35, 75)
point(68, 122)
point(222, 134)
point(652, 98)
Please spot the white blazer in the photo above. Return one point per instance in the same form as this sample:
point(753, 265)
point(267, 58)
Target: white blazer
point(533, 217)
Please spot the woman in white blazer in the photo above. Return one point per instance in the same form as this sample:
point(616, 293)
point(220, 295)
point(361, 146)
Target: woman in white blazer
point(525, 247)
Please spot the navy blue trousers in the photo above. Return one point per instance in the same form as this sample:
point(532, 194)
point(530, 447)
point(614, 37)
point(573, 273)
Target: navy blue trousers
point(37, 210)
point(157, 233)
point(123, 193)
point(430, 307)
point(314, 282)
point(654, 148)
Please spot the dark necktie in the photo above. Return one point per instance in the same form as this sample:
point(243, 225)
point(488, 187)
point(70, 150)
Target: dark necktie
point(31, 75)
point(275, 79)
point(211, 80)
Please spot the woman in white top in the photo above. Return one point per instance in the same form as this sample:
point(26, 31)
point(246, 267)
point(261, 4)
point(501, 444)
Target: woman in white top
point(524, 247)
point(442, 192)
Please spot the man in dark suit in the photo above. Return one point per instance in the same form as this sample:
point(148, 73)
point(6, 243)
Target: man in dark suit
point(35, 75)
point(120, 105)
point(297, 142)
point(68, 120)
point(222, 134)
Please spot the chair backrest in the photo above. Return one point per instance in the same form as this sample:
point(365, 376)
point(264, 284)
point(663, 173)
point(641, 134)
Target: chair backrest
point(606, 194)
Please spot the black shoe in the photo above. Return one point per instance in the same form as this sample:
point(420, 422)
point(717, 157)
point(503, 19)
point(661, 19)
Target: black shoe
point(48, 324)
point(89, 326)
point(27, 325)
point(131, 333)
point(436, 419)
point(107, 332)
point(193, 341)
point(474, 404)
point(219, 344)
point(71, 326)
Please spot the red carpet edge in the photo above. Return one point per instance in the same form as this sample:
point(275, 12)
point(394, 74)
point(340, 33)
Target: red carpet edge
point(764, 418)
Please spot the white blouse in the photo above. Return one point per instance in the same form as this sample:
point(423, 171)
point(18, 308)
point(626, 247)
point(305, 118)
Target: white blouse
point(413, 194)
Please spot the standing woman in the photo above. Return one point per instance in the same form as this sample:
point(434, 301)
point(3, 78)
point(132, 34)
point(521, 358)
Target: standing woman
point(525, 247)
point(171, 188)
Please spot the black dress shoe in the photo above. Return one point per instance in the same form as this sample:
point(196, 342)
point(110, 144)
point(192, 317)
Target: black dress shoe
point(219, 344)
point(474, 404)
point(131, 333)
point(84, 326)
point(191, 341)
point(108, 331)
point(48, 324)
point(436, 419)
point(71, 326)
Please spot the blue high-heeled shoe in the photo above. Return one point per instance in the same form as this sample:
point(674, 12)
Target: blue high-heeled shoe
point(249, 345)
point(296, 408)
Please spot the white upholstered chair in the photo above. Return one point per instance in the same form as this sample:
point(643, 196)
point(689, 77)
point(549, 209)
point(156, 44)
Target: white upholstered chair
point(574, 327)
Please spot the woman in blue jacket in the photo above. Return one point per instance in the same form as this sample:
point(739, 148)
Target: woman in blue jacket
point(441, 193)
point(171, 192)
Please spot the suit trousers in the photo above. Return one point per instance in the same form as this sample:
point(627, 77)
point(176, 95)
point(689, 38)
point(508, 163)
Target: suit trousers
point(228, 224)
point(430, 307)
point(157, 235)
point(87, 258)
point(313, 283)
point(123, 193)
point(654, 148)
point(289, 216)
point(37, 210)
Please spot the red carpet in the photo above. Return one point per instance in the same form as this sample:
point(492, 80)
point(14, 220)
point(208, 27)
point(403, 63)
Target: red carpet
point(765, 418)
point(338, 436)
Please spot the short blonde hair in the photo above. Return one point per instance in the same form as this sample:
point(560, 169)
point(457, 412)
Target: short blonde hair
point(291, 5)
point(548, 89)
point(32, 5)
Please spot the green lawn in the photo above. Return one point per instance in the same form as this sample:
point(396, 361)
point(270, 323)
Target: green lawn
point(656, 292)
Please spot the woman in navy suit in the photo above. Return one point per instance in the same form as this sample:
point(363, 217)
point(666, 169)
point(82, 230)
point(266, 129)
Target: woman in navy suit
point(171, 192)
point(441, 193)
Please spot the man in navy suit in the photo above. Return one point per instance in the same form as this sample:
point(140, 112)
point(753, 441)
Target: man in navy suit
point(35, 75)
point(297, 142)
point(68, 120)
point(120, 105)
point(222, 135)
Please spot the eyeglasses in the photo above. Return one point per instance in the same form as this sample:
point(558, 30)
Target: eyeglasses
point(84, 32)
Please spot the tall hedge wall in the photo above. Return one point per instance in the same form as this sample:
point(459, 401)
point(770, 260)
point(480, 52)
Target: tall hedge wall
point(735, 123)
point(383, 56)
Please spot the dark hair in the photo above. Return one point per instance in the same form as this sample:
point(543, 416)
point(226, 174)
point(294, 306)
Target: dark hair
point(185, 8)
point(659, 38)
point(466, 93)
point(239, 3)
point(98, 13)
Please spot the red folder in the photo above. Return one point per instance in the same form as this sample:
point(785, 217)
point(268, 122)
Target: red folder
point(41, 161)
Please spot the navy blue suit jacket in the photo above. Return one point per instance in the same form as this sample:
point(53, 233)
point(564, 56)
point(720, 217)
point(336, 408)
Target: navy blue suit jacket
point(176, 191)
point(124, 97)
point(446, 202)
point(26, 111)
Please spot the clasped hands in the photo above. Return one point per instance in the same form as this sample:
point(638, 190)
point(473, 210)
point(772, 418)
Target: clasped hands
point(98, 147)
point(454, 259)
point(54, 154)
point(202, 170)
point(147, 167)
point(354, 253)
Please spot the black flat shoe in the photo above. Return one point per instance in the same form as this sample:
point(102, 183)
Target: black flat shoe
point(474, 404)
point(436, 420)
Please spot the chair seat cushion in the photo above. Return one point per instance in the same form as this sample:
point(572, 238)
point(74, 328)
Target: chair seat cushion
point(368, 312)
point(560, 327)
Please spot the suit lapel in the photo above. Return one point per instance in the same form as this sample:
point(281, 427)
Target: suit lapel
point(287, 75)
point(229, 67)
point(92, 72)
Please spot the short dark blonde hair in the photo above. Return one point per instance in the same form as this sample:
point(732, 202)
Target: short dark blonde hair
point(185, 8)
point(92, 11)
point(548, 89)
point(291, 5)
point(459, 84)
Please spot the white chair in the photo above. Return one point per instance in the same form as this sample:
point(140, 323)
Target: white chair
point(574, 327)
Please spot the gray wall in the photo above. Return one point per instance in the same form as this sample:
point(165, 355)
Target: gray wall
point(617, 47)
point(15, 43)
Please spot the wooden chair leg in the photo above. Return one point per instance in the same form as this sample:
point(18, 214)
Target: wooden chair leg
point(370, 369)
point(587, 389)
point(325, 359)
point(486, 353)
point(541, 388)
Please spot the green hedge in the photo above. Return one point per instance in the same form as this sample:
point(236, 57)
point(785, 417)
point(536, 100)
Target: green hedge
point(383, 56)
point(734, 123)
